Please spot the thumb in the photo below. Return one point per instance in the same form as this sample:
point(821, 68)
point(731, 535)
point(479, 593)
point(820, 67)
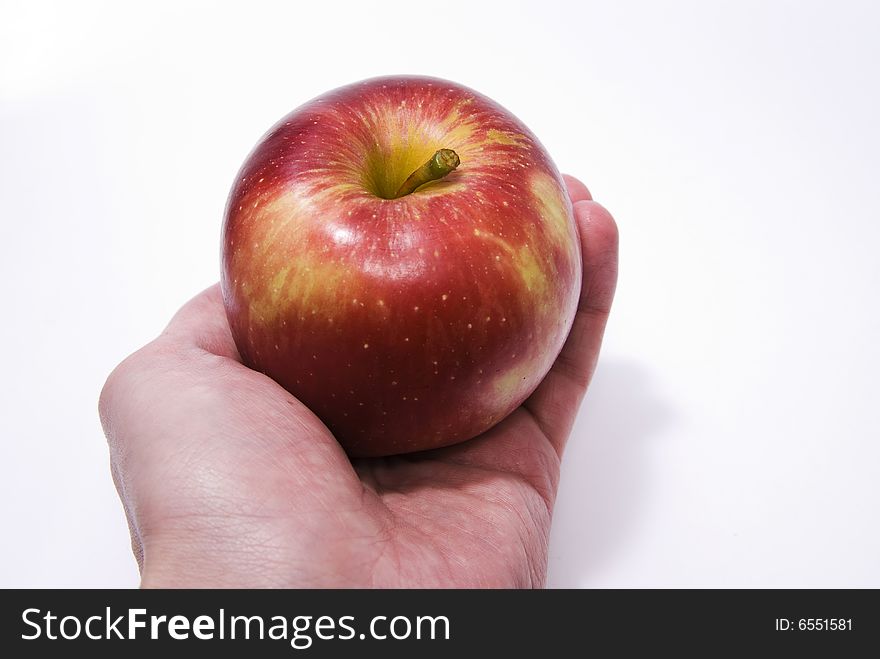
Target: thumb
point(195, 436)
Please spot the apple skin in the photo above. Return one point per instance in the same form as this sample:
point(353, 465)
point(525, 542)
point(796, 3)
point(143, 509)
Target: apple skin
point(403, 324)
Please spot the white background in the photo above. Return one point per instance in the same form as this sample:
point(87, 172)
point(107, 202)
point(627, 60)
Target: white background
point(731, 434)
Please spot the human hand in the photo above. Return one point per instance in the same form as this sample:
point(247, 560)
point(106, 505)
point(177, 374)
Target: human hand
point(227, 480)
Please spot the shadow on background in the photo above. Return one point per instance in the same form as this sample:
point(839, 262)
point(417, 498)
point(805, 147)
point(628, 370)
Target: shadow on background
point(605, 473)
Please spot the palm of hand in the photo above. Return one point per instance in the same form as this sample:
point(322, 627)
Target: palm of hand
point(228, 480)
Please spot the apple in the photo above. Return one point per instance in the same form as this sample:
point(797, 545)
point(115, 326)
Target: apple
point(400, 254)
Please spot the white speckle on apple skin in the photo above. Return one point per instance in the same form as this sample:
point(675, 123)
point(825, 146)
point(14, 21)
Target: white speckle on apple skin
point(491, 235)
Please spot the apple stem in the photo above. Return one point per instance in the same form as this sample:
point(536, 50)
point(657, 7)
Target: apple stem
point(439, 165)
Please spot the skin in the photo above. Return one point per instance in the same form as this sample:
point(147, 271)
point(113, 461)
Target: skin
point(227, 480)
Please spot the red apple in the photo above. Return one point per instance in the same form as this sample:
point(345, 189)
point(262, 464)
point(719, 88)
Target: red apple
point(406, 320)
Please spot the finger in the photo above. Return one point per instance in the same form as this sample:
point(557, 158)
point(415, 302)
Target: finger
point(202, 323)
point(555, 402)
point(577, 191)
